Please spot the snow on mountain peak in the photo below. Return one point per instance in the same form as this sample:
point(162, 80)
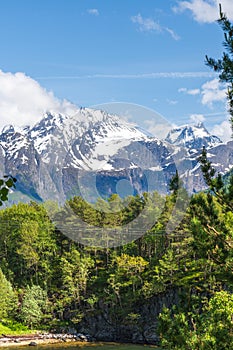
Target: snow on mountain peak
point(53, 152)
point(192, 136)
point(11, 129)
point(56, 133)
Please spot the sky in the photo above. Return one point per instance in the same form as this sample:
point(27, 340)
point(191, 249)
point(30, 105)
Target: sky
point(58, 54)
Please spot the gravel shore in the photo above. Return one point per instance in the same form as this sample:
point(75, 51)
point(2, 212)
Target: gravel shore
point(37, 339)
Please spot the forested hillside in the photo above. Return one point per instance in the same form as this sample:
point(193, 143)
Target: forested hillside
point(50, 281)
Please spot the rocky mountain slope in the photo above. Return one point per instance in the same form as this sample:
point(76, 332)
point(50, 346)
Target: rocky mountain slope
point(192, 137)
point(94, 154)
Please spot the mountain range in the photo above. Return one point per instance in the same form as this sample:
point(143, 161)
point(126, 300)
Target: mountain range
point(94, 153)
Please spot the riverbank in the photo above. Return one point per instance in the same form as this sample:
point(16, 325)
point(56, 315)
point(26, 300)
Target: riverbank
point(40, 339)
point(56, 344)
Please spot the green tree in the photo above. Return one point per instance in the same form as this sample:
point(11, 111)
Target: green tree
point(33, 306)
point(225, 65)
point(74, 270)
point(174, 331)
point(212, 329)
point(211, 222)
point(8, 299)
point(27, 244)
point(127, 273)
point(175, 183)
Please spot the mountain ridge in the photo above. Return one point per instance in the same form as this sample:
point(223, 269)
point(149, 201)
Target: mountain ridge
point(51, 158)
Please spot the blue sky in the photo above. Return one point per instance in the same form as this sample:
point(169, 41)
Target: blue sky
point(92, 52)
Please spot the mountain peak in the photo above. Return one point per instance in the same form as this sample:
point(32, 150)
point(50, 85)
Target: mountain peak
point(199, 125)
point(192, 136)
point(8, 129)
point(53, 155)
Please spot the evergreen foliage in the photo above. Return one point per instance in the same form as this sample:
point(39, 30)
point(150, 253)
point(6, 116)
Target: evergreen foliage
point(33, 306)
point(225, 65)
point(212, 329)
point(59, 280)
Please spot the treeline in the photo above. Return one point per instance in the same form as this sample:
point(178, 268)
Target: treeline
point(50, 280)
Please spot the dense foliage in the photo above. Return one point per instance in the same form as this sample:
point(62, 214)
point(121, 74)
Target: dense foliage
point(47, 279)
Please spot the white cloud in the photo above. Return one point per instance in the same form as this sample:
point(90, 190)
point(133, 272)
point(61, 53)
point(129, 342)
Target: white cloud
point(23, 101)
point(193, 92)
point(172, 102)
point(150, 25)
point(223, 130)
point(213, 91)
point(158, 127)
point(197, 118)
point(190, 91)
point(172, 33)
point(146, 24)
point(182, 89)
point(94, 12)
point(205, 10)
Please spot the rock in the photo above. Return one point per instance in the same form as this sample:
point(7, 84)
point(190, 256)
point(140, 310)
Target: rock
point(151, 335)
point(82, 337)
point(137, 338)
point(32, 343)
point(107, 334)
point(72, 330)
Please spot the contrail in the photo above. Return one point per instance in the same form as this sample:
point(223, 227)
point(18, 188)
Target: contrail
point(157, 75)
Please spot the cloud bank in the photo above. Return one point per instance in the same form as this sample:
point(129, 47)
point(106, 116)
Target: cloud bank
point(223, 130)
point(205, 11)
point(213, 91)
point(23, 101)
point(197, 118)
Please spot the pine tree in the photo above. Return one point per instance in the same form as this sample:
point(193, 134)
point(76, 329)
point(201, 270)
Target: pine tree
point(175, 183)
point(225, 65)
point(33, 306)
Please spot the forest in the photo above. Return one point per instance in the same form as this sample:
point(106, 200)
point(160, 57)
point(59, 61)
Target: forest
point(49, 281)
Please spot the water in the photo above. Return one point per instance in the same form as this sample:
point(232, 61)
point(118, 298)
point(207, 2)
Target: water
point(84, 346)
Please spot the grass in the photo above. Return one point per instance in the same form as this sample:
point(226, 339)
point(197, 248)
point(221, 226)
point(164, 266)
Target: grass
point(15, 329)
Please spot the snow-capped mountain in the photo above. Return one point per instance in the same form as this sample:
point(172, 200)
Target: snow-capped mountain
point(93, 153)
point(47, 159)
point(193, 137)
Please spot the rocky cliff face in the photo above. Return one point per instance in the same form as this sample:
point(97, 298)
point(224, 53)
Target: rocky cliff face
point(98, 153)
point(105, 325)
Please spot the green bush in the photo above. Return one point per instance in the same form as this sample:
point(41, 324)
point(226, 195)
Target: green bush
point(211, 330)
